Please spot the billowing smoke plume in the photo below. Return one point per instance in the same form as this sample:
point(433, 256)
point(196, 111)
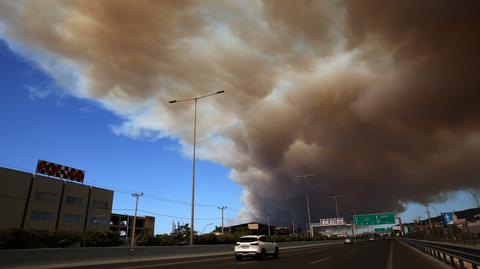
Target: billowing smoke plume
point(380, 99)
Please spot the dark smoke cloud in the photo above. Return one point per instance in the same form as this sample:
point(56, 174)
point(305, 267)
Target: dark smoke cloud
point(378, 98)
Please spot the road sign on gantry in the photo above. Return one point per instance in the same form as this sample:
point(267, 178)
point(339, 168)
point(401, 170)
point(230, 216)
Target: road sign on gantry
point(374, 219)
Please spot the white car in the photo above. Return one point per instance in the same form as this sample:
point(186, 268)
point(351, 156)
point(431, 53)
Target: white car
point(255, 246)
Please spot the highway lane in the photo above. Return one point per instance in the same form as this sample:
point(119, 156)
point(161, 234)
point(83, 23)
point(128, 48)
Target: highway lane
point(383, 254)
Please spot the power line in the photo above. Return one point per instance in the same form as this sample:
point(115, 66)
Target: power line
point(125, 191)
point(175, 217)
point(154, 196)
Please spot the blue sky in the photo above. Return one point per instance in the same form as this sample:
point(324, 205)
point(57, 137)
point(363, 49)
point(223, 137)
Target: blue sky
point(309, 88)
point(40, 121)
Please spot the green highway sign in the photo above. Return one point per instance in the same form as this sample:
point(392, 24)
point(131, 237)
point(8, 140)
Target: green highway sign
point(374, 219)
point(383, 230)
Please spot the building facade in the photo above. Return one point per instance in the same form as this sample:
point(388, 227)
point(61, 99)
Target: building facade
point(123, 224)
point(36, 202)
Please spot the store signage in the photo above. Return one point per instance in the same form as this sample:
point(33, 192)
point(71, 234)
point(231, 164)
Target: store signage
point(60, 171)
point(331, 222)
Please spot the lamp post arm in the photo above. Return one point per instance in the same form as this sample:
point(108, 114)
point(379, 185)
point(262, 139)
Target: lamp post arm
point(474, 197)
point(195, 98)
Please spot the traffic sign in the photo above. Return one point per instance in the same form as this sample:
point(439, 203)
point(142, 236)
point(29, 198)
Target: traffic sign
point(383, 230)
point(374, 219)
point(448, 218)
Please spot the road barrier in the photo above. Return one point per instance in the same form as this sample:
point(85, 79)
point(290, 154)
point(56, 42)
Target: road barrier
point(458, 256)
point(63, 257)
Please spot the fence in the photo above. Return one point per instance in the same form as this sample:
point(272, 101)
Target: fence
point(457, 256)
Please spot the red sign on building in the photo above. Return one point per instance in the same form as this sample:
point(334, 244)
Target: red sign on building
point(60, 171)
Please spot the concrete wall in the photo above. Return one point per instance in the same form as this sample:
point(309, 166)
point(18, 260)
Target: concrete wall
point(74, 207)
point(44, 204)
point(53, 204)
point(100, 209)
point(14, 186)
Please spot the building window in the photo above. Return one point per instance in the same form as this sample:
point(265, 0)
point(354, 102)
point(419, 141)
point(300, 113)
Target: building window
point(100, 204)
point(99, 220)
point(71, 218)
point(45, 196)
point(74, 200)
point(38, 215)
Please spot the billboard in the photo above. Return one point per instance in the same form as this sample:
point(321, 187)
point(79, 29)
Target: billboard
point(60, 171)
point(331, 222)
point(253, 226)
point(374, 219)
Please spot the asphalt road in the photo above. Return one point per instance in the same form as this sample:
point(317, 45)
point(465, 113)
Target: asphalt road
point(384, 254)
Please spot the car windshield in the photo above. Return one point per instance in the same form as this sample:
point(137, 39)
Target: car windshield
point(247, 239)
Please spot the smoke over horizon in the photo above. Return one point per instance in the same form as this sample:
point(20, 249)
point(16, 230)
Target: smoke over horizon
point(380, 99)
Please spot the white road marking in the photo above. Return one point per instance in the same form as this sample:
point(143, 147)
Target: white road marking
point(242, 263)
point(317, 250)
point(176, 263)
point(352, 250)
point(321, 260)
point(390, 256)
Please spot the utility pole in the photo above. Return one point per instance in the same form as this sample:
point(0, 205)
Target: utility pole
point(428, 214)
point(401, 226)
point(336, 203)
point(136, 195)
point(353, 221)
point(310, 229)
point(268, 224)
point(222, 208)
point(293, 227)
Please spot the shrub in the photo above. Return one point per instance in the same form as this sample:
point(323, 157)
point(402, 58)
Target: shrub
point(15, 238)
point(101, 239)
point(207, 239)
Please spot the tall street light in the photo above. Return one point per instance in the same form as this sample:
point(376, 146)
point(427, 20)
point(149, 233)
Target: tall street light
point(336, 203)
point(310, 229)
point(353, 221)
point(474, 197)
point(268, 224)
point(203, 231)
point(436, 211)
point(195, 99)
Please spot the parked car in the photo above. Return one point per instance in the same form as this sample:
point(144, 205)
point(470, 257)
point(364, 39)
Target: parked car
point(348, 241)
point(371, 239)
point(256, 246)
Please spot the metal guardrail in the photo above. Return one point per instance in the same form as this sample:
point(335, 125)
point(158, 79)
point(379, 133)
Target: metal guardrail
point(457, 256)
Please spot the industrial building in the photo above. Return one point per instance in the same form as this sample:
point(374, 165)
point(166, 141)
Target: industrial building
point(33, 201)
point(254, 228)
point(122, 224)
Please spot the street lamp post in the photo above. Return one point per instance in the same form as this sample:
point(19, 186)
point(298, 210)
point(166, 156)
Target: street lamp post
point(474, 197)
point(310, 229)
point(336, 203)
point(195, 99)
point(353, 221)
point(203, 231)
point(428, 214)
point(268, 224)
point(436, 211)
